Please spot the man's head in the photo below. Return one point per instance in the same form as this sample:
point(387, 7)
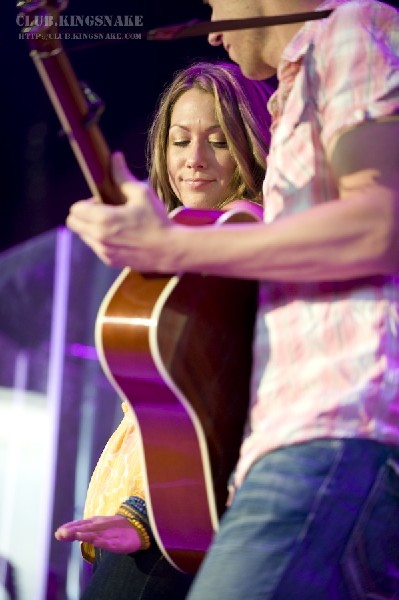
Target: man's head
point(257, 51)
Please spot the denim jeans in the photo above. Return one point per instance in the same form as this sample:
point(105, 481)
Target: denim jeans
point(315, 521)
point(146, 575)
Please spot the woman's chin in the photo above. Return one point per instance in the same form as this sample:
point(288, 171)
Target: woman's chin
point(199, 201)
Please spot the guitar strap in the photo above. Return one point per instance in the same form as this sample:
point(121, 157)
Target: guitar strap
point(196, 28)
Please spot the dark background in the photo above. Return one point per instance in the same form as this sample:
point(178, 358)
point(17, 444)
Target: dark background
point(39, 176)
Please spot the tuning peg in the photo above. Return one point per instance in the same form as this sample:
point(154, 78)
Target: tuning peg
point(95, 105)
point(39, 21)
point(31, 5)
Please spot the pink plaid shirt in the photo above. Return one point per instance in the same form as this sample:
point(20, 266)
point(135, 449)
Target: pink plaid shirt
point(326, 355)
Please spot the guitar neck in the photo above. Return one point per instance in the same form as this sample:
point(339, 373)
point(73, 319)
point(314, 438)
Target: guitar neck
point(73, 110)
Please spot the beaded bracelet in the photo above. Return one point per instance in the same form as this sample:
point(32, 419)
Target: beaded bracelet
point(136, 505)
point(139, 527)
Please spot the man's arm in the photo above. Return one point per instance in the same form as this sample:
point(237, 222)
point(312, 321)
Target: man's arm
point(355, 235)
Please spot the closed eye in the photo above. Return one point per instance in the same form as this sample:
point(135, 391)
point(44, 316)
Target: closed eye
point(219, 144)
point(213, 143)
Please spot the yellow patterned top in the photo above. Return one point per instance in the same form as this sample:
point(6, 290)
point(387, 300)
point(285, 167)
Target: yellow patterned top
point(117, 475)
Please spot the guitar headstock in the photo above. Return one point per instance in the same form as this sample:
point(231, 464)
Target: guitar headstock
point(39, 22)
point(77, 107)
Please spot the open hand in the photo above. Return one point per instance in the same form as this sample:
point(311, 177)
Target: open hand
point(113, 533)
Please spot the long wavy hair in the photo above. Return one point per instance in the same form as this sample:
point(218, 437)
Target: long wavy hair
point(241, 110)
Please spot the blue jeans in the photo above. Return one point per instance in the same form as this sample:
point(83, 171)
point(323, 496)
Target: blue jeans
point(145, 575)
point(315, 521)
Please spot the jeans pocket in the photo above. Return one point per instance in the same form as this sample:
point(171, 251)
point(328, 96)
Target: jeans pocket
point(371, 558)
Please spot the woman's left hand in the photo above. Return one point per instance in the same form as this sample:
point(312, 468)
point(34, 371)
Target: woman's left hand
point(113, 533)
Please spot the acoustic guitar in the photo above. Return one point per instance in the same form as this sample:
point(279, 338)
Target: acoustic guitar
point(177, 347)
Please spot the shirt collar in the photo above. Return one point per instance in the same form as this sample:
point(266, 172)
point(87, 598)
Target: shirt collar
point(299, 44)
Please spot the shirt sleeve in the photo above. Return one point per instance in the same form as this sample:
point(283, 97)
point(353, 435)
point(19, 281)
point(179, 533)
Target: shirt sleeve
point(119, 471)
point(356, 66)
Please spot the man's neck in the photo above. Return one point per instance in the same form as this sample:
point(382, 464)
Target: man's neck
point(283, 7)
point(285, 33)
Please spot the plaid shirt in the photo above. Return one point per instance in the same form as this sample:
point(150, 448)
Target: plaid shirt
point(326, 355)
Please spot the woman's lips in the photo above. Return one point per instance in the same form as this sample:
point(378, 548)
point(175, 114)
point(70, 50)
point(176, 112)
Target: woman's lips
point(197, 183)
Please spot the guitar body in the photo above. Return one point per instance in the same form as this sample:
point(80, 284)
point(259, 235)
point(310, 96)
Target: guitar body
point(178, 349)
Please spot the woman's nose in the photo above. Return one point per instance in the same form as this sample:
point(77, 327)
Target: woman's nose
point(196, 158)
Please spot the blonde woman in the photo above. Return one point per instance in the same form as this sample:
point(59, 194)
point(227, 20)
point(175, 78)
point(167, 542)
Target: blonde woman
point(207, 149)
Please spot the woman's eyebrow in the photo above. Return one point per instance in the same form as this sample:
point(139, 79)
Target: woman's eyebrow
point(186, 128)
